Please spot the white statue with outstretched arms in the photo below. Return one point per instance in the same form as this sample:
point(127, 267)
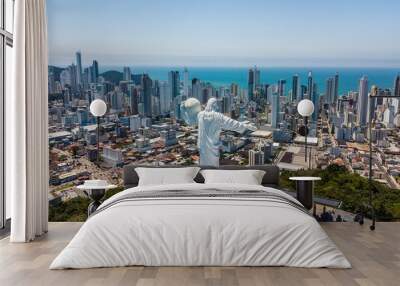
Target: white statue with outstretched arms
point(210, 124)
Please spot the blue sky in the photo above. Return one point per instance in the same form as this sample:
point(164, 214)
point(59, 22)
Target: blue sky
point(226, 32)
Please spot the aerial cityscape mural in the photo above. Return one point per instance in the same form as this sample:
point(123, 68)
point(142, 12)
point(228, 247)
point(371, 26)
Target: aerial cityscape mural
point(145, 122)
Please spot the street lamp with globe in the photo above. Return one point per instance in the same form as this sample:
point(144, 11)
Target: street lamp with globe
point(305, 109)
point(98, 108)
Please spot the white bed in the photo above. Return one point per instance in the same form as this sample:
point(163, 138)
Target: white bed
point(202, 231)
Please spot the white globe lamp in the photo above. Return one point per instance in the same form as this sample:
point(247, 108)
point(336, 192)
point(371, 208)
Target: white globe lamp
point(98, 107)
point(305, 108)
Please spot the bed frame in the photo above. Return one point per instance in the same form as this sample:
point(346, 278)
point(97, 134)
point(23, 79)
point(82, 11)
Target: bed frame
point(270, 179)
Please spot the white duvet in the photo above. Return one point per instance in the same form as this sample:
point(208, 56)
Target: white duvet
point(194, 231)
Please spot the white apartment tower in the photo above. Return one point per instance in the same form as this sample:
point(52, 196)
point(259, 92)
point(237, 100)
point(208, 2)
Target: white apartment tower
point(362, 102)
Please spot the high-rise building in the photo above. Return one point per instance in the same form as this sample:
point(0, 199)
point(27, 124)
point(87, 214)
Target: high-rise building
point(257, 77)
point(256, 157)
point(95, 71)
point(73, 77)
point(83, 116)
point(165, 98)
point(135, 123)
point(303, 92)
point(116, 100)
point(281, 87)
point(362, 102)
point(250, 85)
point(186, 83)
point(388, 117)
point(147, 88)
point(330, 90)
point(196, 89)
point(336, 88)
point(372, 102)
point(127, 75)
point(266, 148)
point(275, 110)
point(234, 89)
point(133, 93)
point(174, 87)
point(310, 86)
point(315, 100)
point(173, 82)
point(79, 68)
point(86, 78)
point(396, 89)
point(226, 104)
point(253, 82)
point(155, 99)
point(295, 87)
point(51, 83)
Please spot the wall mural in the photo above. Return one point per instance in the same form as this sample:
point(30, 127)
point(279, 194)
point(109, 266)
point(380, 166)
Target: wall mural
point(167, 108)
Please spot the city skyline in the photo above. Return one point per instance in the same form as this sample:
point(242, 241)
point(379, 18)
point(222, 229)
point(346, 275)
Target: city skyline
point(144, 123)
point(222, 34)
point(224, 76)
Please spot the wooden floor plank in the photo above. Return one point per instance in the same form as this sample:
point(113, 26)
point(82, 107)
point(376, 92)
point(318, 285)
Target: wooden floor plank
point(375, 257)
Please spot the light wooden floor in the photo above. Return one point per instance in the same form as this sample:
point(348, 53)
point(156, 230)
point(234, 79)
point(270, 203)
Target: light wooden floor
point(375, 257)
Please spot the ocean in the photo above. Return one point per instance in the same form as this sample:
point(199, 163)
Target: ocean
point(224, 76)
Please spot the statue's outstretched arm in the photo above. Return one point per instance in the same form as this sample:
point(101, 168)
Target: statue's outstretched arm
point(234, 125)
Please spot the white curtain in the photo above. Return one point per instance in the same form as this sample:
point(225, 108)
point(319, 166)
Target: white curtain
point(26, 117)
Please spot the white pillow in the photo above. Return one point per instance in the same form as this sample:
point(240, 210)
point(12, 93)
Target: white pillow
point(248, 177)
point(166, 176)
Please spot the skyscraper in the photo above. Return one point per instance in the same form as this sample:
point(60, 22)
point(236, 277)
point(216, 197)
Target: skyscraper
point(372, 102)
point(186, 86)
point(117, 98)
point(127, 76)
point(275, 110)
point(52, 83)
point(234, 89)
point(173, 82)
point(73, 77)
point(315, 100)
point(174, 86)
point(281, 87)
point(196, 89)
point(147, 88)
point(257, 78)
point(133, 93)
point(336, 89)
point(250, 85)
point(226, 104)
point(78, 68)
point(86, 77)
point(295, 87)
point(165, 98)
point(397, 86)
point(362, 102)
point(310, 86)
point(303, 92)
point(94, 71)
point(330, 90)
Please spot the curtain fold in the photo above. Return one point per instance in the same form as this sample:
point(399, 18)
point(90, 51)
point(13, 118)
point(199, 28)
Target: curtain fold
point(27, 140)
